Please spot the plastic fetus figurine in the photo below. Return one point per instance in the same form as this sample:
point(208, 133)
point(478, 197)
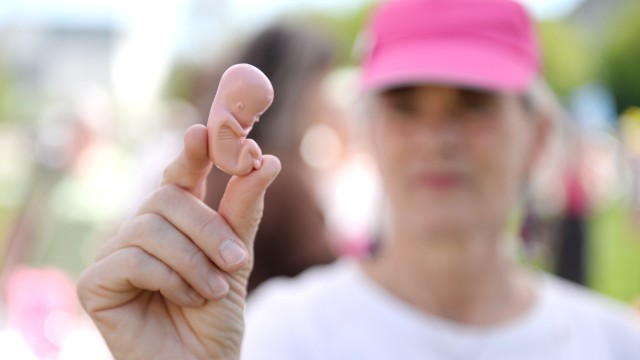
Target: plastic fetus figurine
point(244, 93)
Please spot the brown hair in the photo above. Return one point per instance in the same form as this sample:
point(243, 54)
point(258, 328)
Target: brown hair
point(291, 56)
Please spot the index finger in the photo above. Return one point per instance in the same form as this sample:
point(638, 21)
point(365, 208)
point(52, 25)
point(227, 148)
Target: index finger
point(190, 168)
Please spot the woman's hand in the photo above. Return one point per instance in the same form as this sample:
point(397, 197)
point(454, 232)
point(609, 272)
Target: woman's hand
point(172, 283)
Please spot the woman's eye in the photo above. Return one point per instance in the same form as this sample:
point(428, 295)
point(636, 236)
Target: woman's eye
point(478, 104)
point(475, 104)
point(403, 108)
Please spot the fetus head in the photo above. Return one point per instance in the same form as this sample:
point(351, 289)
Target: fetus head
point(246, 92)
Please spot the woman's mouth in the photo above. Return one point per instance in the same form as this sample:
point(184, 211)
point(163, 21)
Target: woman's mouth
point(439, 181)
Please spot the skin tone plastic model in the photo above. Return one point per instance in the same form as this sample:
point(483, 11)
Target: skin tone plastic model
point(243, 95)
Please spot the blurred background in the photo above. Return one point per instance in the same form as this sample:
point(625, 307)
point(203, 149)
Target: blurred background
point(95, 95)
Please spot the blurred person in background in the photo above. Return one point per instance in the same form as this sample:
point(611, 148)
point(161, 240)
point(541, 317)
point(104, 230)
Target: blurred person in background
point(292, 235)
point(456, 136)
point(572, 225)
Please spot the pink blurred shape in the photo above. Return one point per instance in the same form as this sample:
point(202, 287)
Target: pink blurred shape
point(36, 298)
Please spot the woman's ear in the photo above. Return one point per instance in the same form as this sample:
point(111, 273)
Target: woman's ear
point(542, 133)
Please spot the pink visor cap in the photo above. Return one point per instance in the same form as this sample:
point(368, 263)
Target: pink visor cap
point(486, 44)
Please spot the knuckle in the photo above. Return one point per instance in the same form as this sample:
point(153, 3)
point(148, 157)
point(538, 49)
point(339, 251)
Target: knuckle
point(147, 225)
point(104, 250)
point(252, 217)
point(82, 286)
point(164, 196)
point(167, 172)
point(257, 216)
point(209, 224)
point(164, 193)
point(134, 258)
point(138, 261)
point(171, 281)
point(87, 287)
point(152, 224)
point(131, 232)
point(194, 258)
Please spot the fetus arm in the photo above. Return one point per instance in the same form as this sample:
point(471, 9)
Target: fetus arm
point(231, 125)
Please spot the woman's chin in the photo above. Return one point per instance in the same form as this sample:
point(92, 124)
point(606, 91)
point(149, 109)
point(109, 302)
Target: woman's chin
point(443, 223)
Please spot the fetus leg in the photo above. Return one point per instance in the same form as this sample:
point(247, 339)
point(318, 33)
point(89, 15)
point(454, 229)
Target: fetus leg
point(250, 156)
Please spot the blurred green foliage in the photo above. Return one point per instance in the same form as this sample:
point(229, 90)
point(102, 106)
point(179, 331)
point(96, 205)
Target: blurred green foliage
point(614, 252)
point(345, 29)
point(179, 84)
point(621, 57)
point(569, 60)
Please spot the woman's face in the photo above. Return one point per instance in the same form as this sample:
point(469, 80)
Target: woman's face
point(453, 161)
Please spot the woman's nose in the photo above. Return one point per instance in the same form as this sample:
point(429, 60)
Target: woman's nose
point(436, 132)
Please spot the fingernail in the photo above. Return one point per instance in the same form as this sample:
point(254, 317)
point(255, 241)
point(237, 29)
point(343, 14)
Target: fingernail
point(232, 253)
point(218, 285)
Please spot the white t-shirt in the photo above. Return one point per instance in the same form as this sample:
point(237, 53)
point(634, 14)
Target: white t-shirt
point(338, 312)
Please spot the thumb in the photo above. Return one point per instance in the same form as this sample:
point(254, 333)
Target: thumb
point(243, 200)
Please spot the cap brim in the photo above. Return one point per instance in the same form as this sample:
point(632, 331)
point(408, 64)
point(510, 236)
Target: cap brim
point(475, 65)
